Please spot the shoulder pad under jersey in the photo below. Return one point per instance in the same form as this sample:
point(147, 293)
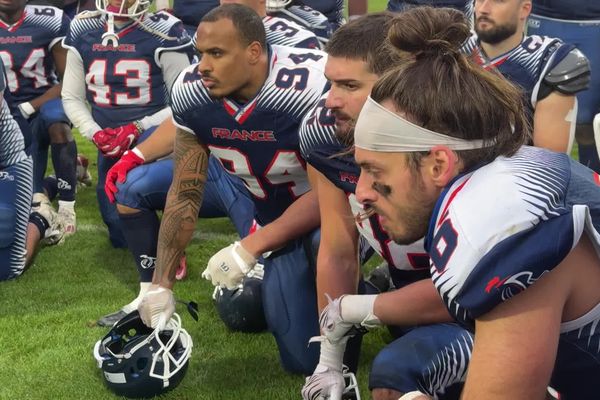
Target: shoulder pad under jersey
point(570, 75)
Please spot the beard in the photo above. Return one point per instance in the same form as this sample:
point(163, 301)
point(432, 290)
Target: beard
point(345, 133)
point(497, 33)
point(410, 222)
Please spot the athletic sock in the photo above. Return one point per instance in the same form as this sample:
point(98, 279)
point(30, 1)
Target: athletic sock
point(141, 232)
point(64, 159)
point(50, 186)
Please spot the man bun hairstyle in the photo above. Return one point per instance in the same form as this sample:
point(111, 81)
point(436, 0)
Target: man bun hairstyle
point(439, 88)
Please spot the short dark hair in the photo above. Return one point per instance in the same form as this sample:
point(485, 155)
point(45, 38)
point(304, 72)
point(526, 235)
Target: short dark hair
point(247, 22)
point(365, 39)
point(440, 89)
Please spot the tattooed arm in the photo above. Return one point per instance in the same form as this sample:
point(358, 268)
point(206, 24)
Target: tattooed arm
point(183, 204)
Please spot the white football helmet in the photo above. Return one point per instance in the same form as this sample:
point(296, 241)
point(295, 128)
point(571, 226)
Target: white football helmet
point(136, 9)
point(277, 5)
point(138, 361)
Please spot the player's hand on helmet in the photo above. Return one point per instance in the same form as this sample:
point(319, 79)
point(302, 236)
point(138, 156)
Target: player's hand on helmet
point(228, 266)
point(157, 307)
point(118, 172)
point(122, 139)
point(327, 380)
point(325, 384)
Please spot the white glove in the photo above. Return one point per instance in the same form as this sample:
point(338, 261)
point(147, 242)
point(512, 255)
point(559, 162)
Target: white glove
point(157, 307)
point(327, 381)
point(26, 109)
point(343, 313)
point(228, 266)
point(323, 385)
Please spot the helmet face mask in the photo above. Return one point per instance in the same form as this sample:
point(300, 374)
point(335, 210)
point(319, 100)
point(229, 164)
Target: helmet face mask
point(136, 9)
point(138, 361)
point(277, 5)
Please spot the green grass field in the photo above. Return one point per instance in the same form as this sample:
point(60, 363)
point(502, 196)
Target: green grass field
point(46, 337)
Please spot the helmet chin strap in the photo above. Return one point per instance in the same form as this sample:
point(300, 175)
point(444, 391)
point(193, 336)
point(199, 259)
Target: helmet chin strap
point(110, 37)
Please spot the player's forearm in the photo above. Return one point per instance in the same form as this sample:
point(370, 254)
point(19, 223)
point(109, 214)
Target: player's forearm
point(52, 93)
point(416, 304)
point(160, 143)
point(336, 276)
point(301, 217)
point(176, 230)
point(554, 122)
point(183, 204)
point(73, 97)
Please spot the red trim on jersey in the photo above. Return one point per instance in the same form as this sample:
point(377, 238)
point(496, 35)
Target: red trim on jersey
point(484, 62)
point(246, 113)
point(450, 198)
point(596, 178)
point(16, 25)
point(230, 108)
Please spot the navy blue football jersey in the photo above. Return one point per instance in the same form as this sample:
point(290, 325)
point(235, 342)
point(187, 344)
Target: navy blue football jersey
point(284, 32)
point(332, 9)
point(578, 10)
point(26, 50)
point(526, 65)
point(190, 12)
point(72, 8)
point(308, 18)
point(257, 141)
point(322, 150)
point(125, 83)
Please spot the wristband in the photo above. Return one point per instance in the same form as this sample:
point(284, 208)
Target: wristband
point(26, 109)
point(138, 153)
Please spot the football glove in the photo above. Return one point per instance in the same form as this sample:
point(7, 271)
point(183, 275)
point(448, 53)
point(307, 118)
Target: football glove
point(345, 312)
point(103, 138)
point(228, 266)
point(122, 138)
point(118, 172)
point(327, 381)
point(157, 307)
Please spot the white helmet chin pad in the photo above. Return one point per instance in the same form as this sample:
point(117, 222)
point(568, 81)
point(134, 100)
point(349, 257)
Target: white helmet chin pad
point(277, 5)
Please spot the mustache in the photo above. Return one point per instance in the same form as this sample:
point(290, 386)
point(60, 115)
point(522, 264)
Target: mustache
point(364, 215)
point(484, 19)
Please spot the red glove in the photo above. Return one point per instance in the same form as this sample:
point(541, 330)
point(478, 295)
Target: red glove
point(123, 138)
point(118, 173)
point(103, 138)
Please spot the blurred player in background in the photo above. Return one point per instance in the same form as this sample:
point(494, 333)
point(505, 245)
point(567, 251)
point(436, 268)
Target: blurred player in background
point(20, 230)
point(549, 71)
point(34, 60)
point(576, 22)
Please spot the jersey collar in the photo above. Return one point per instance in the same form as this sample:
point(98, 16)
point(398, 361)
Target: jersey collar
point(16, 25)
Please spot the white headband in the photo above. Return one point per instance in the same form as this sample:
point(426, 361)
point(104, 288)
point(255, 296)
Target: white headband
point(379, 129)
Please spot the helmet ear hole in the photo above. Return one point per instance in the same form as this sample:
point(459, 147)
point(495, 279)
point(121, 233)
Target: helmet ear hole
point(141, 363)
